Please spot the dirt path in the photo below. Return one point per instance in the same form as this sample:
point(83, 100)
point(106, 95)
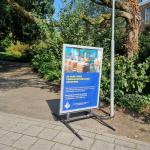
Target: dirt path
point(23, 92)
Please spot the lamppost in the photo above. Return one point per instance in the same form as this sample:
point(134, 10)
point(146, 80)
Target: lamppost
point(112, 62)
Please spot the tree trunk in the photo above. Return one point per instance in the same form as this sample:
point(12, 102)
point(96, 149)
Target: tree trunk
point(131, 43)
point(129, 10)
point(133, 29)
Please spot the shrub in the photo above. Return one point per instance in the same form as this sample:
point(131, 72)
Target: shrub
point(17, 49)
point(131, 78)
point(144, 43)
point(136, 102)
point(5, 43)
point(45, 62)
point(17, 52)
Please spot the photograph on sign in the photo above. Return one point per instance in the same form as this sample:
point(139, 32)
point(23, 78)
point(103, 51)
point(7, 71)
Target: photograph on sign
point(81, 74)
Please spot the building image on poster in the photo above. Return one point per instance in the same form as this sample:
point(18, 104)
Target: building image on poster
point(81, 73)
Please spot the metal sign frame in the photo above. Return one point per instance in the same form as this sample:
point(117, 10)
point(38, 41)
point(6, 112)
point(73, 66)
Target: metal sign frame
point(62, 78)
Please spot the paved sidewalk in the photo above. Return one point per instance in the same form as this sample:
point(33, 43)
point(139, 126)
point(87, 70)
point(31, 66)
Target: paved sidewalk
point(19, 132)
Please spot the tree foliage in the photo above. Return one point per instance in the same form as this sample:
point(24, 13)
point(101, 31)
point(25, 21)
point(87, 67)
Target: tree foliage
point(22, 18)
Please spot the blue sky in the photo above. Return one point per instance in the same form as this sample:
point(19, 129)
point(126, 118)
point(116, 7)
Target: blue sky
point(58, 4)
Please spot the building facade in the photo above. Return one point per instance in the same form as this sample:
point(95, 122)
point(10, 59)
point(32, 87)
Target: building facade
point(145, 13)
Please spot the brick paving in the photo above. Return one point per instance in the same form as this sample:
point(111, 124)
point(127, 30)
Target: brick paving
point(25, 133)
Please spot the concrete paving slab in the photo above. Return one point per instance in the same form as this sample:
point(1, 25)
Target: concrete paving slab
point(104, 138)
point(119, 147)
point(102, 145)
point(125, 143)
point(86, 143)
point(42, 145)
point(10, 138)
point(33, 130)
point(58, 146)
point(19, 127)
point(58, 127)
point(48, 134)
point(66, 129)
point(4, 147)
point(86, 133)
point(47, 125)
point(24, 142)
point(3, 132)
point(143, 147)
point(64, 138)
point(7, 125)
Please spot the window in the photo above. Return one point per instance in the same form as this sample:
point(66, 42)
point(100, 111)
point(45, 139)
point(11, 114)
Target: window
point(147, 15)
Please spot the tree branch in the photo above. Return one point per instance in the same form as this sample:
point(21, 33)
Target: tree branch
point(28, 15)
point(100, 19)
point(42, 23)
point(124, 6)
point(22, 11)
point(124, 14)
point(97, 2)
point(93, 21)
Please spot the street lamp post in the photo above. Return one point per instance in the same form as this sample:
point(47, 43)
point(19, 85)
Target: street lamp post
point(112, 62)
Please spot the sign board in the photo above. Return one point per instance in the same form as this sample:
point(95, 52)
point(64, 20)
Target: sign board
point(81, 74)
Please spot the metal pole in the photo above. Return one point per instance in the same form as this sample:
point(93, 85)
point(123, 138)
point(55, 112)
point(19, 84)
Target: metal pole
point(112, 62)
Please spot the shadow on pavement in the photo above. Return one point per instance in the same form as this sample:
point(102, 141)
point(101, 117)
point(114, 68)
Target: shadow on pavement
point(17, 75)
point(54, 106)
point(6, 66)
